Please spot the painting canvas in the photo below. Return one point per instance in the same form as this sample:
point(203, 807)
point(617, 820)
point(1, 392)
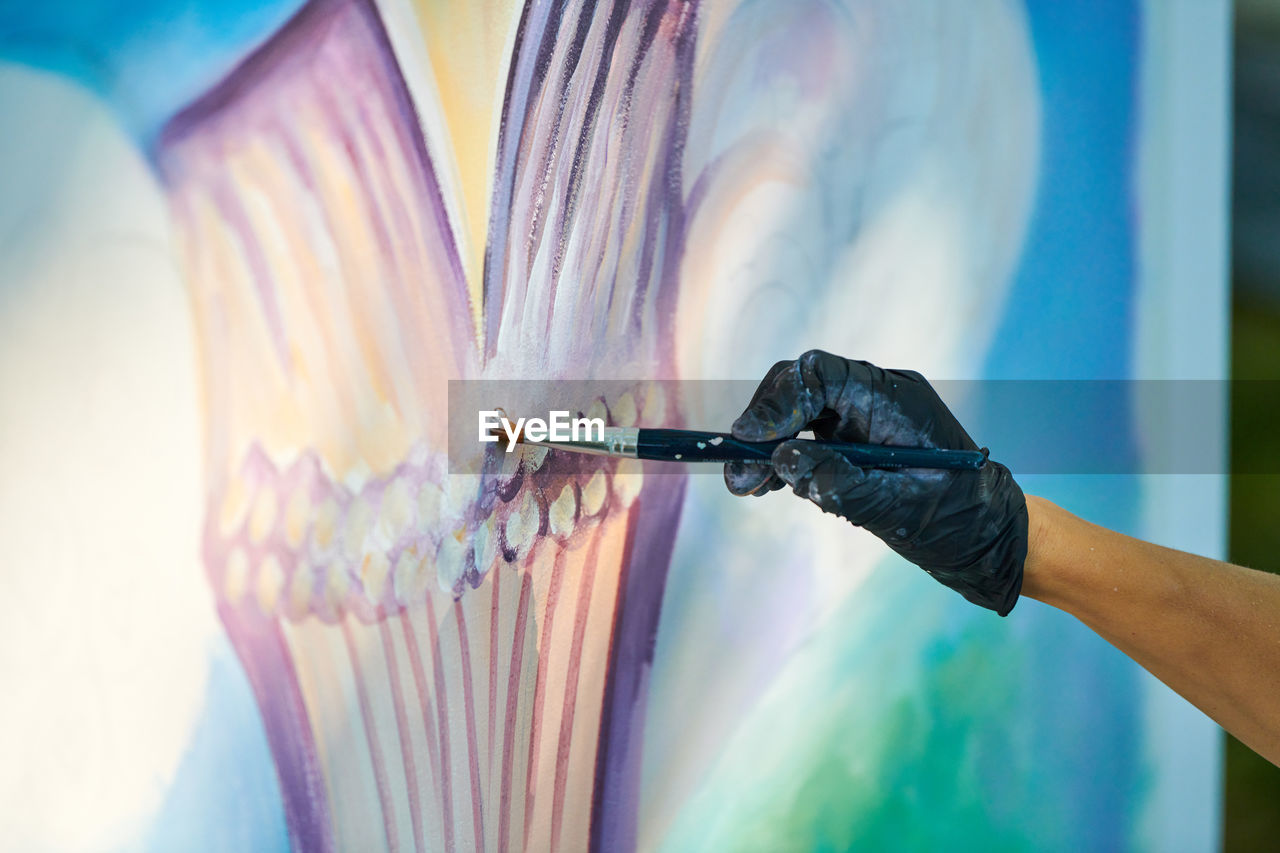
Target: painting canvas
point(248, 245)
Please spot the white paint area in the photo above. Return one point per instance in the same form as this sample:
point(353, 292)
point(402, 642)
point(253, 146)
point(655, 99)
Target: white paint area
point(105, 618)
point(901, 255)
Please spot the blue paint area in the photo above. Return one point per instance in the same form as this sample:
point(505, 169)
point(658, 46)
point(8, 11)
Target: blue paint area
point(1070, 316)
point(1070, 309)
point(225, 795)
point(145, 58)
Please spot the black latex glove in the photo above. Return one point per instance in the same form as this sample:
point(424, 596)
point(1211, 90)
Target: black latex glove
point(968, 529)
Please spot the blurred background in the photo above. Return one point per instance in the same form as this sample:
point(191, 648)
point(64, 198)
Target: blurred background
point(1252, 801)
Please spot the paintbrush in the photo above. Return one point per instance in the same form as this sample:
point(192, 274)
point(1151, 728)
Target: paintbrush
point(686, 445)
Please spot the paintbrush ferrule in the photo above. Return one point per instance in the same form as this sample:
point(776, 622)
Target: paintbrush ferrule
point(614, 441)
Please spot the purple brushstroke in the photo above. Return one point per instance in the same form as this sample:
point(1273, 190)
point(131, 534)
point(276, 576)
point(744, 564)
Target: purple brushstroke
point(540, 23)
point(667, 200)
point(259, 643)
point(231, 209)
point(646, 558)
point(617, 15)
point(296, 44)
point(380, 780)
point(648, 553)
point(264, 654)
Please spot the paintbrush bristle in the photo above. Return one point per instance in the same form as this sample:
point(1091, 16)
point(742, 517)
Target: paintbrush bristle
point(501, 434)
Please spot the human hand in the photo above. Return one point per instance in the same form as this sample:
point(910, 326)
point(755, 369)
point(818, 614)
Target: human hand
point(967, 529)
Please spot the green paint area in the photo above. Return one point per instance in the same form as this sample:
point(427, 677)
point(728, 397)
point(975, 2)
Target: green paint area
point(935, 771)
point(1251, 819)
point(885, 732)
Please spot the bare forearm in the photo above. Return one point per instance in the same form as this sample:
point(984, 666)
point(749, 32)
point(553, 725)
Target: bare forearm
point(1208, 629)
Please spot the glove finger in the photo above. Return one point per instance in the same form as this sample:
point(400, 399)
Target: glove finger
point(750, 478)
point(835, 484)
point(847, 388)
point(769, 376)
point(816, 472)
point(935, 423)
point(765, 384)
point(783, 405)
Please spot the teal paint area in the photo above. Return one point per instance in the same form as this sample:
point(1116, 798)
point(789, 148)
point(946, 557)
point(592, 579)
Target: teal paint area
point(146, 58)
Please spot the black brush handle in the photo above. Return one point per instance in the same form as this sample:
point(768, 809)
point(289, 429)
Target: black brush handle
point(684, 445)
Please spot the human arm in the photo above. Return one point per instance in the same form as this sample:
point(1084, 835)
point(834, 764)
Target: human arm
point(1209, 630)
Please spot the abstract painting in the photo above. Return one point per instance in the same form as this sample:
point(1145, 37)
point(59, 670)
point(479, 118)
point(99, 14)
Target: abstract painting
point(362, 200)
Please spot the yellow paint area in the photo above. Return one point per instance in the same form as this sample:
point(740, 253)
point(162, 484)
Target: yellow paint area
point(469, 49)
